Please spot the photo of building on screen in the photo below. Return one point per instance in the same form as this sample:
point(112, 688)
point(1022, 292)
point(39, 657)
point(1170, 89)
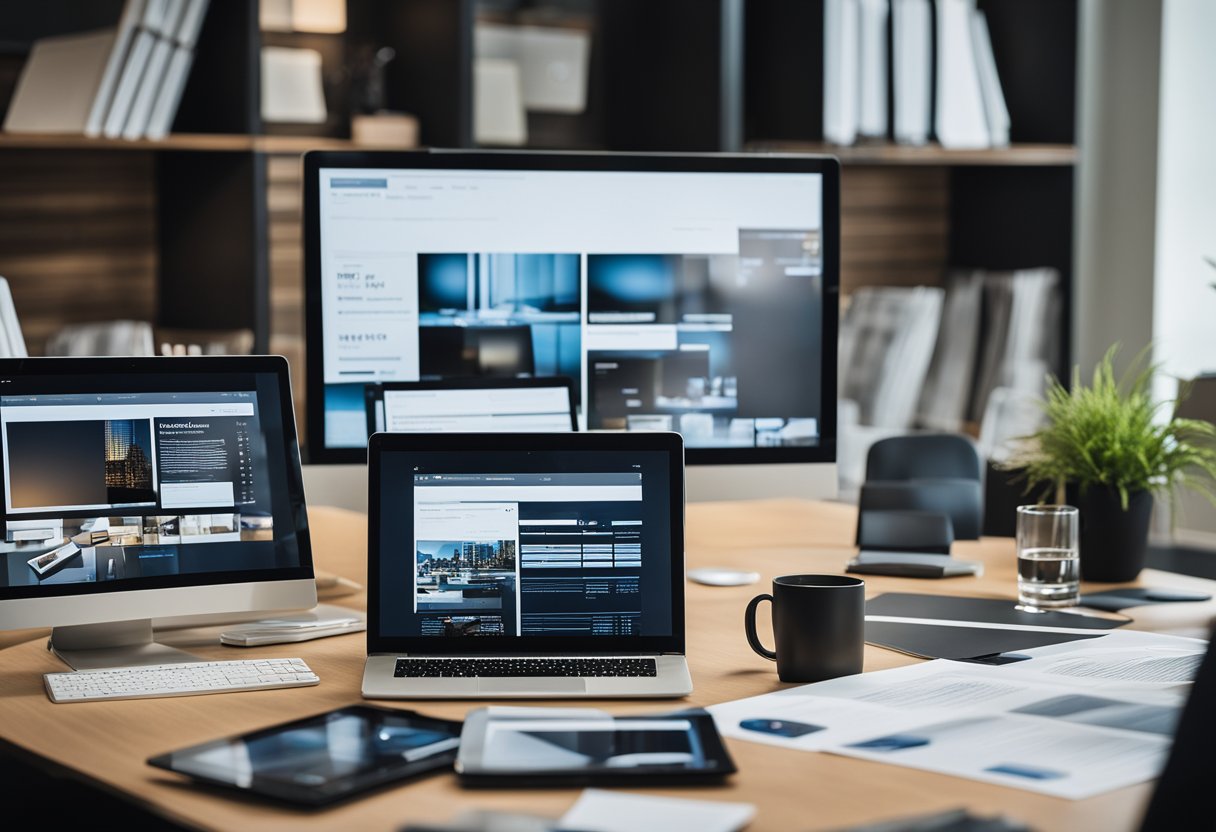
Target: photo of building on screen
point(474, 581)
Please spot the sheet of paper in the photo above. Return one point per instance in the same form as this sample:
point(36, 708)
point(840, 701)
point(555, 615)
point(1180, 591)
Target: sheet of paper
point(1127, 658)
point(1047, 756)
point(1071, 720)
point(605, 811)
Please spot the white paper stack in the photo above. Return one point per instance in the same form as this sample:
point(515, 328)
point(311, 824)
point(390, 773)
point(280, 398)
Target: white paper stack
point(946, 397)
point(886, 343)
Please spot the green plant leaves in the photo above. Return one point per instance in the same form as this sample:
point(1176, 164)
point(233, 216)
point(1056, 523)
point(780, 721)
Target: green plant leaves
point(1107, 434)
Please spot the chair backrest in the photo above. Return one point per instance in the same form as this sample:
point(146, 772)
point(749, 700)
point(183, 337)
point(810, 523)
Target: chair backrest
point(924, 456)
point(962, 500)
point(1182, 796)
point(905, 531)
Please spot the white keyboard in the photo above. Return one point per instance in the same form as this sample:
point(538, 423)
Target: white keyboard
point(187, 679)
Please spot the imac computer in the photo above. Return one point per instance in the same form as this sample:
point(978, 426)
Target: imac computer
point(144, 488)
point(690, 292)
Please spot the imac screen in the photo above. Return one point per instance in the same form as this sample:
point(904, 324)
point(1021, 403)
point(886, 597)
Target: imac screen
point(702, 302)
point(117, 482)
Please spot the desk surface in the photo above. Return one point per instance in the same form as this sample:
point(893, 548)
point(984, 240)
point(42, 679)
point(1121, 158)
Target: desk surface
point(109, 741)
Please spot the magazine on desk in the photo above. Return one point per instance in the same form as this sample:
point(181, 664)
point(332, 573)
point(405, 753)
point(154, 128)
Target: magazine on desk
point(1070, 720)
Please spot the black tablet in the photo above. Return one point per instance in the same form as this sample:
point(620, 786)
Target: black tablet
point(324, 758)
point(587, 747)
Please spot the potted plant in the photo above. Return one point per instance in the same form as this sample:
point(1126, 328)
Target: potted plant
point(1109, 449)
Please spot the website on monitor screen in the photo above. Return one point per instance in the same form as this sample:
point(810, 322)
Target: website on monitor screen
point(581, 550)
point(119, 486)
point(678, 301)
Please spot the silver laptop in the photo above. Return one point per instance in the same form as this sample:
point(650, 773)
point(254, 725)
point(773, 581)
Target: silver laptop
point(525, 565)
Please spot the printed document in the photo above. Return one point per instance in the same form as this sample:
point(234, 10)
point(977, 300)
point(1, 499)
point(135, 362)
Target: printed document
point(1071, 720)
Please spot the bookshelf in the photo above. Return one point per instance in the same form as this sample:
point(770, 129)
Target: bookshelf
point(201, 229)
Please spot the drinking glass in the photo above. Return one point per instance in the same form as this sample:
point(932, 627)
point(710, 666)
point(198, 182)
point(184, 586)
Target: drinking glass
point(1049, 566)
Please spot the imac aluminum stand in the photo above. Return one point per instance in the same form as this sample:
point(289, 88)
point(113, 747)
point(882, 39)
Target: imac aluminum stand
point(116, 644)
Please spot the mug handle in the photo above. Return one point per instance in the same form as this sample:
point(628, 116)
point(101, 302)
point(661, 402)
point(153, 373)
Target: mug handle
point(749, 623)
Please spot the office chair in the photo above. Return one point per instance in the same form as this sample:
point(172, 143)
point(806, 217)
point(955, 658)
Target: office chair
point(1182, 798)
point(938, 473)
point(905, 531)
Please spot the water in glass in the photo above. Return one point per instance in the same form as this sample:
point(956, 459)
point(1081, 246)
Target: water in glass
point(1048, 578)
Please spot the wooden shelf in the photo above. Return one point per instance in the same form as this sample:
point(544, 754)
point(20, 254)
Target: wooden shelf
point(218, 142)
point(1030, 155)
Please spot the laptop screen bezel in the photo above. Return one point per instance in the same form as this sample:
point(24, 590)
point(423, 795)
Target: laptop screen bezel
point(375, 392)
point(670, 444)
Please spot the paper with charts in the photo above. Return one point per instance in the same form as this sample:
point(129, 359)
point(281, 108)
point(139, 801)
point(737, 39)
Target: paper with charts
point(1070, 720)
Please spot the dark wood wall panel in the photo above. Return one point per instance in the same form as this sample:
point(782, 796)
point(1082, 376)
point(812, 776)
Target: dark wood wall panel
point(894, 226)
point(285, 202)
point(77, 238)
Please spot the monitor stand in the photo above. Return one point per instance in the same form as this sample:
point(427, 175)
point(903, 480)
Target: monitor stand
point(114, 644)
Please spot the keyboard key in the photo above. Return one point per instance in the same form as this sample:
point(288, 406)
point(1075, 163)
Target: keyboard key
point(482, 667)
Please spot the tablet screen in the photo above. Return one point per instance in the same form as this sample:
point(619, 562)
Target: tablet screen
point(322, 758)
point(590, 746)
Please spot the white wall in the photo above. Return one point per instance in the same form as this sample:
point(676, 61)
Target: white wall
point(1184, 303)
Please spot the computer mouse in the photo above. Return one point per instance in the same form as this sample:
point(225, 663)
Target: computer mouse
point(721, 576)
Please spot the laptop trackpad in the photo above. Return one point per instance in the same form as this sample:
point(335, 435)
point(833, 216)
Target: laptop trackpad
point(530, 684)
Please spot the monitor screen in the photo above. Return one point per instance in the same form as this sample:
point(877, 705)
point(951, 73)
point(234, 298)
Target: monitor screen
point(569, 540)
point(695, 294)
point(131, 480)
point(544, 405)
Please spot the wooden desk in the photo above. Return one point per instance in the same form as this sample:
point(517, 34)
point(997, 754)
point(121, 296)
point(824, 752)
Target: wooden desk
point(109, 741)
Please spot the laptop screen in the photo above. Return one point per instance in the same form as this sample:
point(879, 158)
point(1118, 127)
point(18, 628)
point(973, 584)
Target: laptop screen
point(478, 545)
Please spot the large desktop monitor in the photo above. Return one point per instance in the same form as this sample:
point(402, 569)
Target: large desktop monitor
point(144, 488)
point(687, 292)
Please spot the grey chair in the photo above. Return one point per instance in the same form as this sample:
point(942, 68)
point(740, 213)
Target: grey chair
point(938, 473)
point(905, 531)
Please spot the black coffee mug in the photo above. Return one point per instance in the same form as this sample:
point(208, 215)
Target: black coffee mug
point(819, 623)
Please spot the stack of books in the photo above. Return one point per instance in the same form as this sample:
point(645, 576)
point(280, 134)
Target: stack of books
point(942, 68)
point(122, 81)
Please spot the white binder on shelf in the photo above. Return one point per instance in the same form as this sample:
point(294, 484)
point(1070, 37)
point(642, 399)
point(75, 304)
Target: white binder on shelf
point(164, 30)
point(990, 82)
point(841, 70)
point(164, 109)
point(912, 69)
point(123, 36)
point(872, 81)
point(962, 122)
point(128, 82)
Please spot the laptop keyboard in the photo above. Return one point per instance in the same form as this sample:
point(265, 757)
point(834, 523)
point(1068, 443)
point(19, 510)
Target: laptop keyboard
point(524, 667)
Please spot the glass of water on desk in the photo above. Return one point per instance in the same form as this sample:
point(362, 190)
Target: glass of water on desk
point(1049, 566)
